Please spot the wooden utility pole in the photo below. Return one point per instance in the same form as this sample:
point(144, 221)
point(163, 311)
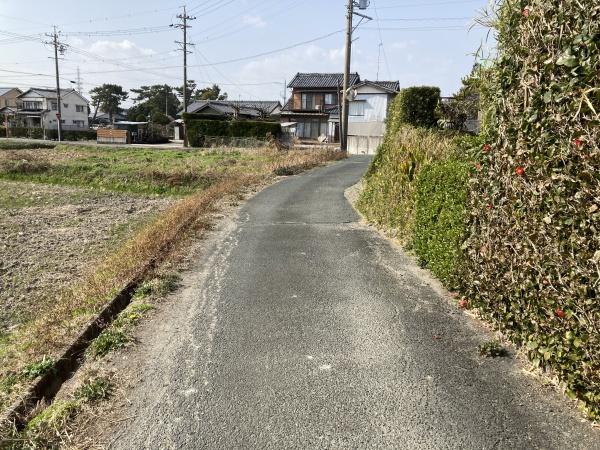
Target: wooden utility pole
point(184, 26)
point(348, 57)
point(58, 48)
point(362, 4)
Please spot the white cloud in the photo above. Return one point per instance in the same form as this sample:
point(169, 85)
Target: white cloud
point(116, 49)
point(255, 21)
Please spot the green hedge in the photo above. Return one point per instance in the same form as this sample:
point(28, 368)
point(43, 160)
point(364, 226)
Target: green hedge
point(38, 133)
point(533, 265)
point(417, 106)
point(442, 189)
point(198, 129)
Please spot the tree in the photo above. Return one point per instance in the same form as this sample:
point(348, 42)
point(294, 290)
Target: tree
point(210, 93)
point(464, 105)
point(160, 119)
point(190, 92)
point(159, 97)
point(108, 97)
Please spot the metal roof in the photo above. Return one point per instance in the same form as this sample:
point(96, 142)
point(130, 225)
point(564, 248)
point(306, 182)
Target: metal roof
point(322, 80)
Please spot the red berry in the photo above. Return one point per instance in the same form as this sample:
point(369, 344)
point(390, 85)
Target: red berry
point(478, 166)
point(463, 304)
point(578, 142)
point(487, 148)
point(526, 12)
point(520, 171)
point(560, 313)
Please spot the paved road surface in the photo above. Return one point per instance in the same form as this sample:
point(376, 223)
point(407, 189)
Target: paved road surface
point(304, 329)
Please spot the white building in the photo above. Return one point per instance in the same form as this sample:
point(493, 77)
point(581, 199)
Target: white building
point(368, 113)
point(37, 108)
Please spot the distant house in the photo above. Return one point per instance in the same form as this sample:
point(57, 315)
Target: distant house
point(368, 111)
point(313, 109)
point(37, 108)
point(239, 109)
point(8, 103)
point(103, 118)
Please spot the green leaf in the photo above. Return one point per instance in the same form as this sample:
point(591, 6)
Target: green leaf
point(567, 61)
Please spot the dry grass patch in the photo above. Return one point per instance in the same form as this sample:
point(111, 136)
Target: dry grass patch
point(136, 259)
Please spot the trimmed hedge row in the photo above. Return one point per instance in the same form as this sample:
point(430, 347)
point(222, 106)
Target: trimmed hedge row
point(38, 133)
point(198, 129)
point(529, 258)
point(533, 254)
point(442, 190)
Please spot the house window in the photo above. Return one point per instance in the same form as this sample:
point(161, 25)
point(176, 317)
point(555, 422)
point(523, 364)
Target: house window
point(329, 99)
point(311, 128)
point(79, 123)
point(66, 105)
point(54, 106)
point(357, 108)
point(32, 105)
point(308, 101)
point(62, 121)
point(79, 108)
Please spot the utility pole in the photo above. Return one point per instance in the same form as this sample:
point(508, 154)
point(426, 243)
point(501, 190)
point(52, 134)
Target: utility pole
point(348, 57)
point(350, 13)
point(79, 87)
point(58, 48)
point(184, 26)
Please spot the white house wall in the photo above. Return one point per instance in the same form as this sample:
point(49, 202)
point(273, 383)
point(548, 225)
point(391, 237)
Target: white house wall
point(375, 108)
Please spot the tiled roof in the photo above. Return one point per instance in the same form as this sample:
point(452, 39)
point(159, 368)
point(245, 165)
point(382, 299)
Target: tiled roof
point(50, 93)
point(251, 107)
point(321, 80)
point(4, 90)
point(393, 86)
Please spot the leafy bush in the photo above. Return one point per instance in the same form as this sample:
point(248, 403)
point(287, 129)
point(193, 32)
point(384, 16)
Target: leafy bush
point(388, 198)
point(441, 199)
point(534, 248)
point(198, 129)
point(417, 106)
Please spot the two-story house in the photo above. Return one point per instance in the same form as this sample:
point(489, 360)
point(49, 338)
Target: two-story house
point(367, 114)
point(8, 103)
point(38, 108)
point(314, 105)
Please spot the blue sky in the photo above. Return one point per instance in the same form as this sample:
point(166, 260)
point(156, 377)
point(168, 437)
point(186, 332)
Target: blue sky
point(425, 42)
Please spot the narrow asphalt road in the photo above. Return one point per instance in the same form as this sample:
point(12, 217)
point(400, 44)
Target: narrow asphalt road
point(304, 329)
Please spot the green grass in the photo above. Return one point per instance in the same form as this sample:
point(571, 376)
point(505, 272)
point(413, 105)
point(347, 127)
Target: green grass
point(94, 389)
point(38, 368)
point(110, 340)
point(137, 170)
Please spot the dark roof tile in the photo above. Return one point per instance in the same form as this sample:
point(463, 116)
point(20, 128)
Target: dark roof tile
point(321, 80)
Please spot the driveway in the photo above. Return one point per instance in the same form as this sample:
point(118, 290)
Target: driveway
point(302, 328)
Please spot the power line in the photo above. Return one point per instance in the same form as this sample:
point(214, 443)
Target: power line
point(234, 60)
point(381, 46)
point(411, 5)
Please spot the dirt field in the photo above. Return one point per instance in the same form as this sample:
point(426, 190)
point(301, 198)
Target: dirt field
point(50, 234)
